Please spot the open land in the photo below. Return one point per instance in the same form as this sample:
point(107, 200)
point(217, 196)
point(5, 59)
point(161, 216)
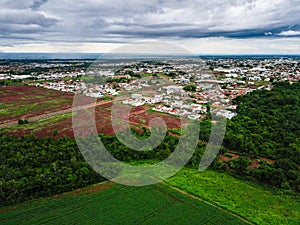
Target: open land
point(19, 102)
point(60, 124)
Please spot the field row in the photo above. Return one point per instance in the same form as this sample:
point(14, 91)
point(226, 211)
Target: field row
point(19, 102)
point(23, 102)
point(254, 202)
point(115, 204)
point(61, 125)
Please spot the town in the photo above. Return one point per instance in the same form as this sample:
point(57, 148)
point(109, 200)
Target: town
point(187, 86)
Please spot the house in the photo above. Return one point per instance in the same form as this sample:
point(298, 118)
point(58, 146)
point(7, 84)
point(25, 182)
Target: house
point(136, 96)
point(224, 113)
point(172, 89)
point(184, 80)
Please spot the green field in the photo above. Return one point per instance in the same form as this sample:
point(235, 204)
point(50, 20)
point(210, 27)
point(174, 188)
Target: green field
point(110, 203)
point(256, 203)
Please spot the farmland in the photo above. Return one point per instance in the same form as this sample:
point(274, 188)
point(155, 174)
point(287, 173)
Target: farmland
point(61, 125)
point(19, 102)
point(109, 203)
point(25, 102)
point(254, 202)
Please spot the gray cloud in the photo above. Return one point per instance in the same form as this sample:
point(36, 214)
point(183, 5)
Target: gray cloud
point(37, 4)
point(119, 20)
point(26, 17)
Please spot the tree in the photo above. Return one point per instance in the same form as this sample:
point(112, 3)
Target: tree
point(285, 164)
point(240, 164)
point(190, 87)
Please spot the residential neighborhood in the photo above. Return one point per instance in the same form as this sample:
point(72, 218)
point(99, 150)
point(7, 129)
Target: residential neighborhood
point(181, 87)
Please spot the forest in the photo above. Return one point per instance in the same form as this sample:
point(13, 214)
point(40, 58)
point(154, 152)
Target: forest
point(268, 125)
point(34, 167)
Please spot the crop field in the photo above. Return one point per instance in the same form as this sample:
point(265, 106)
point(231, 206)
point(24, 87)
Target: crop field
point(17, 102)
point(256, 203)
point(110, 203)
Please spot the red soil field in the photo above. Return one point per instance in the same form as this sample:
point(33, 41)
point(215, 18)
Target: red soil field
point(63, 127)
point(19, 102)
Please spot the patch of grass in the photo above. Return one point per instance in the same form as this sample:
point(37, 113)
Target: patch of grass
point(33, 97)
point(19, 109)
point(256, 203)
point(150, 111)
point(229, 155)
point(146, 74)
point(261, 83)
point(176, 130)
point(142, 121)
point(38, 125)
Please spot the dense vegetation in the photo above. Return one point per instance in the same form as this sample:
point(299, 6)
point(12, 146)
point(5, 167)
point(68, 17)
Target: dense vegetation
point(268, 125)
point(32, 167)
point(190, 87)
point(118, 80)
point(162, 151)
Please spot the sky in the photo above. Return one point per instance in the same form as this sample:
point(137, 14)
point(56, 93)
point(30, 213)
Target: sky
point(204, 27)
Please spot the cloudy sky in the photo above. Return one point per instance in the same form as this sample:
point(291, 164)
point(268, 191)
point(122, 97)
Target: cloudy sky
point(211, 26)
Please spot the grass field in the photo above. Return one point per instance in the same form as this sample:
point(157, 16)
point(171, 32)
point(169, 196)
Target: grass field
point(110, 203)
point(254, 202)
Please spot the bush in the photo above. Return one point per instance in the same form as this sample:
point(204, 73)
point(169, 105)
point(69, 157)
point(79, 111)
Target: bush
point(20, 121)
point(240, 164)
point(228, 155)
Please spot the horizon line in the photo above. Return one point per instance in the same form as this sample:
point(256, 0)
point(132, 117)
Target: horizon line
point(150, 53)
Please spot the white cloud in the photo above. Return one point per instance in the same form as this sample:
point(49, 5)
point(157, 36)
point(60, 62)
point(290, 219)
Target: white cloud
point(218, 45)
point(289, 33)
point(242, 46)
point(61, 47)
